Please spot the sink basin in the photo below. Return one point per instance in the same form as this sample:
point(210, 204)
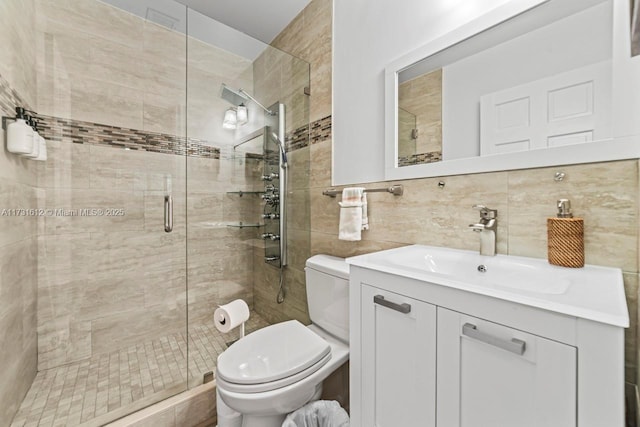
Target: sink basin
point(592, 292)
point(516, 273)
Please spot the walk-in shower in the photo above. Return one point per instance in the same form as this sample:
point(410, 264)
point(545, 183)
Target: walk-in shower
point(107, 313)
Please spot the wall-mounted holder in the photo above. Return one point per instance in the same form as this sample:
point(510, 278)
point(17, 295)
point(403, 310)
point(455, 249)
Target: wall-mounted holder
point(5, 119)
point(396, 190)
point(559, 176)
point(22, 137)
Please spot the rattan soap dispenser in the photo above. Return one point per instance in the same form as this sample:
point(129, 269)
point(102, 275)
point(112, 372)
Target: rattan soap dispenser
point(565, 237)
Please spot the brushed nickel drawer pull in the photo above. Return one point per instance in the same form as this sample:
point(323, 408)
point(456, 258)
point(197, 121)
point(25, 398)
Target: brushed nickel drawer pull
point(514, 346)
point(402, 308)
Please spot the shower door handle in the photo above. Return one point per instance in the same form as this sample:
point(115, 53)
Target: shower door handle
point(168, 214)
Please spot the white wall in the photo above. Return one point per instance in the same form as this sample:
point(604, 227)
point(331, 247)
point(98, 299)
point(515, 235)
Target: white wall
point(367, 36)
point(626, 84)
point(578, 40)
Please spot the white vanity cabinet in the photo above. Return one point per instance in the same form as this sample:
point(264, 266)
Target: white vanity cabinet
point(447, 345)
point(492, 375)
point(399, 370)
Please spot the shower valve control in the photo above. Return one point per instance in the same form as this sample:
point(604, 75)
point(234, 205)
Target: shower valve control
point(271, 236)
point(270, 197)
point(270, 177)
point(271, 188)
point(271, 216)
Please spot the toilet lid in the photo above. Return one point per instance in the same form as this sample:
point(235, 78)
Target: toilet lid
point(272, 353)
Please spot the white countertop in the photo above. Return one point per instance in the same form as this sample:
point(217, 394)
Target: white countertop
point(592, 292)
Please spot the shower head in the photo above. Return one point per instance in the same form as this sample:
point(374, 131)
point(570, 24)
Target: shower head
point(281, 147)
point(240, 96)
point(232, 96)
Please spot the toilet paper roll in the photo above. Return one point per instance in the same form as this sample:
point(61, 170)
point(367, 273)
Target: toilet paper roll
point(228, 316)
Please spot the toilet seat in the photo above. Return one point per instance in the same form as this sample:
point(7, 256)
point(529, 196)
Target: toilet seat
point(272, 357)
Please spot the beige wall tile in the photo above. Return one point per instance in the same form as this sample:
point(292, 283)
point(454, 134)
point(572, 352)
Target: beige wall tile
point(299, 169)
point(16, 226)
point(199, 410)
point(336, 386)
point(320, 168)
point(299, 248)
point(298, 209)
point(631, 333)
point(604, 194)
point(63, 340)
point(18, 241)
point(119, 330)
point(18, 57)
point(67, 166)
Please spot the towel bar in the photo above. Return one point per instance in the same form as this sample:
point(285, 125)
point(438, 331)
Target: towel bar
point(396, 190)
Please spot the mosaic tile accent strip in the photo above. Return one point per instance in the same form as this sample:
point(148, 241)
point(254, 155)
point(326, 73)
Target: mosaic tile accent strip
point(254, 156)
point(79, 132)
point(320, 130)
point(79, 393)
point(298, 139)
point(10, 99)
point(420, 158)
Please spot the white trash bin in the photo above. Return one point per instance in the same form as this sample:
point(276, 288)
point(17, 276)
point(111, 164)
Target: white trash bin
point(321, 413)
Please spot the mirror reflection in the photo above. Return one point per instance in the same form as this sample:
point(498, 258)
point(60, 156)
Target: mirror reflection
point(420, 119)
point(518, 87)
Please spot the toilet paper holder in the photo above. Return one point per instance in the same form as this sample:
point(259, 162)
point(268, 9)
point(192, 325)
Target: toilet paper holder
point(232, 315)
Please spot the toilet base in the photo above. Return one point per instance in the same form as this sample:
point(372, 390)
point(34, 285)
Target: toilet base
point(263, 421)
point(227, 417)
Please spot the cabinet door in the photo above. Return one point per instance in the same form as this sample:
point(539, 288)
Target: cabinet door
point(398, 360)
point(490, 375)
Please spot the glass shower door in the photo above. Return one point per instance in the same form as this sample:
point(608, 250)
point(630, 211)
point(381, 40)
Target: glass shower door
point(239, 92)
point(111, 315)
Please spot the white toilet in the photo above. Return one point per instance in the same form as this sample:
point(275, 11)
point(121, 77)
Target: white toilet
point(278, 369)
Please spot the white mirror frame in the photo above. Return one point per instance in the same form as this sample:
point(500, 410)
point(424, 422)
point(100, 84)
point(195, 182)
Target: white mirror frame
point(618, 148)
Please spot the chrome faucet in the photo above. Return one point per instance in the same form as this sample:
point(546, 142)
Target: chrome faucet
point(488, 229)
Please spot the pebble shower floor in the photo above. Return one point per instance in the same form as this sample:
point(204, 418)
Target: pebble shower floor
point(89, 392)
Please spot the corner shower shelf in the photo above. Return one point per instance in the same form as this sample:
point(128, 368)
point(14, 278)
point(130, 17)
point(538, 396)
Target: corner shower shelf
point(242, 225)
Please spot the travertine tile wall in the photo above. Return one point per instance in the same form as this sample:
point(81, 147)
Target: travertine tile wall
point(282, 77)
point(219, 257)
point(106, 282)
point(89, 51)
point(18, 234)
point(605, 194)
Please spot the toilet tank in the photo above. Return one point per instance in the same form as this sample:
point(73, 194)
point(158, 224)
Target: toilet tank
point(327, 279)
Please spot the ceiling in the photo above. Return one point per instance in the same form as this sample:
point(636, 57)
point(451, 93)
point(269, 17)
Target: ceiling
point(261, 19)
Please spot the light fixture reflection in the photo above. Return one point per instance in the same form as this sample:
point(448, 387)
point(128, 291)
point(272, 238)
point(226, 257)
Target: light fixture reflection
point(230, 119)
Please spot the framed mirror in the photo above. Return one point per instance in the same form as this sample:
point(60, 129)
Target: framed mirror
point(529, 84)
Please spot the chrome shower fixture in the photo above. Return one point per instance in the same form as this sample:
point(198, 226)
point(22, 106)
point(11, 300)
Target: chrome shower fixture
point(281, 146)
point(240, 96)
point(232, 96)
point(248, 95)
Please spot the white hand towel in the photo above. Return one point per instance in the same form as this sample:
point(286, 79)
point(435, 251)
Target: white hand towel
point(351, 214)
point(365, 214)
